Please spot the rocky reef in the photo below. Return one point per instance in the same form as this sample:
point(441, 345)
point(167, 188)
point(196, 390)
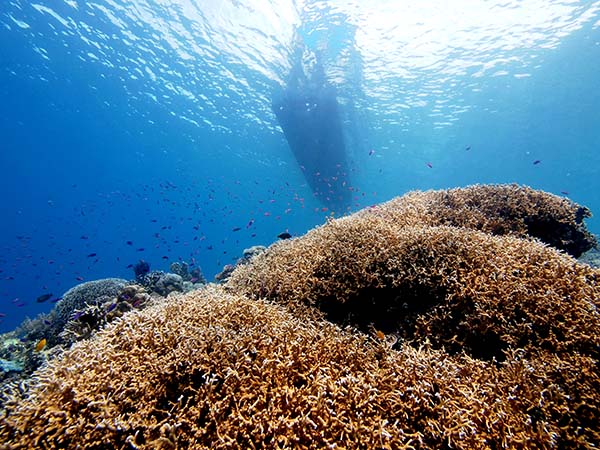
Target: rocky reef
point(442, 319)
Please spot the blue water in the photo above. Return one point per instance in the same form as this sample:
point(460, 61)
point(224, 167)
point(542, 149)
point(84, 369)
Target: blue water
point(151, 121)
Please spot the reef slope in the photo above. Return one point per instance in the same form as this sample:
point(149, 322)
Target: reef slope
point(379, 330)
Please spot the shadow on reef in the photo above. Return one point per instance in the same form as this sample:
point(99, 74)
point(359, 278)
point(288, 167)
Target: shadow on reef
point(474, 335)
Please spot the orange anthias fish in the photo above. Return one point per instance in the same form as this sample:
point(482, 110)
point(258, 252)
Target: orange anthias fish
point(40, 345)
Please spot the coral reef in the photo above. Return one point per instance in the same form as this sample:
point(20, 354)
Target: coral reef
point(591, 258)
point(193, 275)
point(247, 256)
point(140, 269)
point(162, 283)
point(473, 335)
point(49, 326)
point(86, 321)
point(213, 370)
point(89, 314)
point(463, 290)
point(495, 209)
point(78, 297)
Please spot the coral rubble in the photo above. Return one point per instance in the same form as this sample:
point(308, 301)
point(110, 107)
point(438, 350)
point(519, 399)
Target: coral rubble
point(450, 326)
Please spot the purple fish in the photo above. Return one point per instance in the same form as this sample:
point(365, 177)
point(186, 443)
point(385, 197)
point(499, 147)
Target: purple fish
point(43, 298)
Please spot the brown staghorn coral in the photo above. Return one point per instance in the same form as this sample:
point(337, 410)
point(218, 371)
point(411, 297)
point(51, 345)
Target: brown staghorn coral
point(464, 290)
point(503, 353)
point(213, 370)
point(495, 209)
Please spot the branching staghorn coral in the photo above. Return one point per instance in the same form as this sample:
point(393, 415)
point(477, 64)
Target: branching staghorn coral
point(214, 370)
point(476, 341)
point(497, 209)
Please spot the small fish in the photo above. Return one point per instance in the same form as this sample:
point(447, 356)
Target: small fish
point(429, 165)
point(284, 235)
point(84, 237)
point(236, 229)
point(165, 257)
point(77, 315)
point(40, 345)
point(111, 307)
point(43, 298)
point(371, 152)
point(380, 334)
point(129, 243)
point(56, 300)
point(91, 255)
point(468, 147)
point(47, 322)
point(79, 278)
point(564, 192)
point(536, 162)
point(129, 266)
point(141, 249)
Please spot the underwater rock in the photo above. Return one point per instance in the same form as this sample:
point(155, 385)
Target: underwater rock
point(193, 275)
point(224, 274)
point(10, 366)
point(591, 258)
point(168, 283)
point(251, 252)
point(248, 254)
point(181, 269)
point(162, 283)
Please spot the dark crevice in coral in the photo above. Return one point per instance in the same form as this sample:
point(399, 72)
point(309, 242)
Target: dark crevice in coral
point(571, 238)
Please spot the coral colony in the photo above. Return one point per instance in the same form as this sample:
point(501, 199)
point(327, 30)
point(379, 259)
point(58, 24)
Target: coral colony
point(441, 319)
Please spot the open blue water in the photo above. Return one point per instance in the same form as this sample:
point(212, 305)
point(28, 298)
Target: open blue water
point(151, 121)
